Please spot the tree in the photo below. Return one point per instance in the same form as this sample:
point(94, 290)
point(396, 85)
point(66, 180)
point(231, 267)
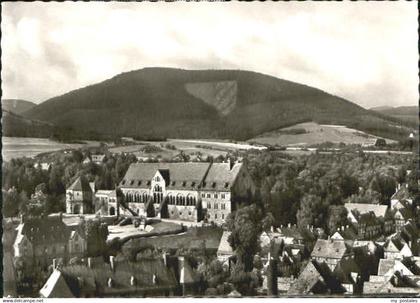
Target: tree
point(96, 235)
point(311, 211)
point(337, 217)
point(245, 227)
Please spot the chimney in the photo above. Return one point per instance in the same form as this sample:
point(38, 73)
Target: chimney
point(111, 262)
point(89, 262)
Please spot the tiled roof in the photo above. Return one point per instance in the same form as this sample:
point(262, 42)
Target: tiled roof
point(221, 177)
point(183, 175)
point(80, 184)
point(335, 249)
point(308, 278)
point(401, 194)
point(45, 230)
point(56, 287)
point(124, 271)
point(362, 208)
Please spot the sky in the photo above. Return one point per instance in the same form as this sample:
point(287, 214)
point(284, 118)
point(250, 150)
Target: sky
point(365, 52)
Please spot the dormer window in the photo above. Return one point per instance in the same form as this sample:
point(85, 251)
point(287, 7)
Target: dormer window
point(184, 183)
point(157, 179)
point(123, 182)
point(139, 183)
point(226, 184)
point(193, 184)
point(132, 182)
point(173, 183)
point(148, 182)
point(204, 184)
point(214, 184)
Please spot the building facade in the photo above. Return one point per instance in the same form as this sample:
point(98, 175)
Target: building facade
point(186, 191)
point(79, 197)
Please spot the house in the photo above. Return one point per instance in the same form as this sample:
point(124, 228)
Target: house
point(39, 240)
point(190, 191)
point(331, 252)
point(370, 220)
point(393, 248)
point(401, 196)
point(401, 217)
point(98, 158)
point(79, 197)
point(119, 278)
point(106, 202)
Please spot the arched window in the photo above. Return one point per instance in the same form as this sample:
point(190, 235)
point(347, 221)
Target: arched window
point(194, 201)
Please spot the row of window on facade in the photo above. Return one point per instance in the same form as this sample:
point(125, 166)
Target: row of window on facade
point(216, 196)
point(158, 197)
point(215, 216)
point(216, 205)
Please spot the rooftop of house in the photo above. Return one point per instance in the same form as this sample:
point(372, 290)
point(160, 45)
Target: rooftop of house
point(45, 230)
point(402, 193)
point(56, 287)
point(388, 267)
point(362, 208)
point(334, 249)
point(307, 279)
point(108, 193)
point(80, 184)
point(183, 175)
point(124, 276)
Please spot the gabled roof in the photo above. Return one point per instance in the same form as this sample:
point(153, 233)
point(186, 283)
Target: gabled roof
point(45, 230)
point(80, 184)
point(181, 175)
point(221, 176)
point(388, 267)
point(335, 249)
point(56, 287)
point(308, 278)
point(393, 245)
point(362, 208)
point(401, 194)
point(141, 271)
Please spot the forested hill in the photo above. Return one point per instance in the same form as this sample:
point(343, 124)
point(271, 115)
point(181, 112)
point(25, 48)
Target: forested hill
point(164, 102)
point(16, 106)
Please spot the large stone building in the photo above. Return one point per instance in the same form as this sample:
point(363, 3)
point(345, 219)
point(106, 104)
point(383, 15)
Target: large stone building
point(186, 191)
point(79, 197)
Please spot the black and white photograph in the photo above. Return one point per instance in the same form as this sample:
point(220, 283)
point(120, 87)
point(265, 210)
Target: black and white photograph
point(209, 149)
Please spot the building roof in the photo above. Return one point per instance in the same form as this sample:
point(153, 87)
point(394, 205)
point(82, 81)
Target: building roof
point(183, 175)
point(224, 246)
point(45, 230)
point(388, 267)
point(80, 184)
point(362, 208)
point(56, 287)
point(334, 249)
point(221, 176)
point(402, 193)
point(307, 279)
point(146, 273)
point(108, 193)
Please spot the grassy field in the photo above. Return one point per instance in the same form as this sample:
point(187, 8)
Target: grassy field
point(173, 147)
point(312, 133)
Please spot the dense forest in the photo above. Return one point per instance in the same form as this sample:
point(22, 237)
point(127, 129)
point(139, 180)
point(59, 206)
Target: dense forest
point(154, 102)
